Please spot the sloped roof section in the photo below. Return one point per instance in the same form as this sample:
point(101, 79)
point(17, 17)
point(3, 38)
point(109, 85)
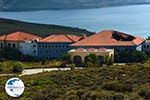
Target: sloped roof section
point(61, 38)
point(19, 36)
point(110, 38)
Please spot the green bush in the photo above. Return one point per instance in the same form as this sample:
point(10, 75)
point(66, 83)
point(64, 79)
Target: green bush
point(17, 67)
point(72, 67)
point(1, 69)
point(118, 97)
point(92, 61)
point(66, 58)
point(72, 97)
point(145, 94)
point(39, 96)
point(130, 56)
point(116, 86)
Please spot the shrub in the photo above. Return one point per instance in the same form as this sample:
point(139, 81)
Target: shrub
point(108, 61)
point(130, 56)
point(145, 94)
point(43, 62)
point(72, 67)
point(17, 67)
point(92, 61)
point(66, 58)
point(72, 97)
point(117, 97)
point(1, 69)
point(116, 86)
point(39, 96)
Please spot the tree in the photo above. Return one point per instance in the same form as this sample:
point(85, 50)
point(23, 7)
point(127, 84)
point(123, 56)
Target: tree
point(66, 58)
point(92, 60)
point(130, 56)
point(17, 67)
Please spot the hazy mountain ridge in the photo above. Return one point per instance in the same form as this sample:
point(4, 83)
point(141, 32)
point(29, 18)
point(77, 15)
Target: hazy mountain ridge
point(24, 5)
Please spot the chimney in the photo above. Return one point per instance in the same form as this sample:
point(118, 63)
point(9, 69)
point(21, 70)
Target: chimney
point(84, 36)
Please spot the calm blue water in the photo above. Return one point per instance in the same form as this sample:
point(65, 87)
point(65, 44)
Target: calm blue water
point(131, 19)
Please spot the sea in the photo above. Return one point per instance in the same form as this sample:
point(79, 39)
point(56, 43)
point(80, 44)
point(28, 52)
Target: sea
point(133, 20)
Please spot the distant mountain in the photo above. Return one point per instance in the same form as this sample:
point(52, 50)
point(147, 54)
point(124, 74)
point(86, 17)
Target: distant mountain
point(7, 26)
point(25, 5)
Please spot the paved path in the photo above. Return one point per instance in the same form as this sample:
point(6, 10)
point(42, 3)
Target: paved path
point(3, 75)
point(36, 71)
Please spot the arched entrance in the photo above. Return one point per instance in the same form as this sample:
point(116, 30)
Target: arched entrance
point(77, 60)
point(101, 60)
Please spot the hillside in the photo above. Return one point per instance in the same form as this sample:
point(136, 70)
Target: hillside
point(129, 82)
point(7, 26)
point(25, 5)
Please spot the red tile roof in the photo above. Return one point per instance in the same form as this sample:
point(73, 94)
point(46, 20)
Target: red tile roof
point(18, 36)
point(61, 38)
point(110, 38)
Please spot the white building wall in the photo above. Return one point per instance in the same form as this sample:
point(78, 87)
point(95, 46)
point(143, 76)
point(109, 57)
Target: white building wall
point(29, 48)
point(146, 47)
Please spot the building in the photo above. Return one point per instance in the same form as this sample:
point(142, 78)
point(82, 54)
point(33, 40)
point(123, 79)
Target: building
point(55, 46)
point(22, 41)
point(29, 48)
point(79, 56)
point(110, 39)
point(146, 46)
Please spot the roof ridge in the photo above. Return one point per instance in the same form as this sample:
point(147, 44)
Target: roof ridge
point(69, 38)
point(5, 37)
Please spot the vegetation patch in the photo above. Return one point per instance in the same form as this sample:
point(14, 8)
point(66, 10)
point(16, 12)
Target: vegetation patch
point(129, 82)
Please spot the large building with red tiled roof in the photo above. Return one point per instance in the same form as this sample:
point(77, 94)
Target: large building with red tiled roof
point(22, 41)
point(55, 46)
point(110, 39)
point(12, 39)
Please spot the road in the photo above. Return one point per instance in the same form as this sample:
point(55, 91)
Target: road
point(36, 71)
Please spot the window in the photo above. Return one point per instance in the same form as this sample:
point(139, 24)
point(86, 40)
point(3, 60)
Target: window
point(9, 45)
point(147, 46)
point(34, 45)
point(39, 46)
point(34, 51)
